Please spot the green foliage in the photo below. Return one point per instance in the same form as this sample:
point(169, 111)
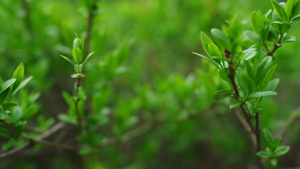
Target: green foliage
point(143, 99)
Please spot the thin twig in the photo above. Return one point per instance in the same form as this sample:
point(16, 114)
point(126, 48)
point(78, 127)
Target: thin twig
point(48, 133)
point(89, 28)
point(294, 116)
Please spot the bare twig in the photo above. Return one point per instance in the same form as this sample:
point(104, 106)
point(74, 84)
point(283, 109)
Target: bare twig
point(294, 116)
point(48, 133)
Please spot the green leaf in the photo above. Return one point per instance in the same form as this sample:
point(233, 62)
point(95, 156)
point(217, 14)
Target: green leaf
point(8, 106)
point(18, 75)
point(287, 39)
point(281, 150)
point(29, 112)
point(264, 154)
point(7, 84)
point(262, 94)
point(273, 84)
point(68, 60)
point(257, 23)
point(77, 43)
point(262, 69)
point(8, 144)
point(221, 38)
point(276, 142)
point(296, 19)
point(249, 54)
point(205, 40)
point(253, 37)
point(207, 58)
point(5, 133)
point(240, 73)
point(214, 50)
point(223, 92)
point(280, 27)
point(268, 138)
point(235, 104)
point(22, 85)
point(269, 76)
point(3, 115)
point(274, 162)
point(4, 95)
point(292, 8)
point(279, 10)
point(66, 118)
point(224, 74)
point(77, 54)
point(87, 58)
point(16, 114)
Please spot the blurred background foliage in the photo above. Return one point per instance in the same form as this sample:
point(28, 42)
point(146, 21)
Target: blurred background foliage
point(142, 68)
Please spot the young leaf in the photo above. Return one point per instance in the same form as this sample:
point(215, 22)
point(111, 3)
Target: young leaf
point(235, 104)
point(205, 40)
point(268, 76)
point(68, 60)
point(77, 54)
point(264, 154)
point(7, 84)
point(287, 39)
point(223, 92)
point(257, 23)
point(23, 84)
point(207, 58)
point(262, 94)
point(224, 74)
point(279, 10)
point(281, 150)
point(18, 75)
point(221, 38)
point(5, 133)
point(296, 19)
point(268, 138)
point(4, 95)
point(240, 73)
point(3, 115)
point(214, 50)
point(77, 43)
point(272, 85)
point(253, 37)
point(292, 8)
point(280, 27)
point(87, 58)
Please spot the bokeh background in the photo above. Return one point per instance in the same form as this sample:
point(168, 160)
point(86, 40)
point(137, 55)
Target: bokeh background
point(157, 75)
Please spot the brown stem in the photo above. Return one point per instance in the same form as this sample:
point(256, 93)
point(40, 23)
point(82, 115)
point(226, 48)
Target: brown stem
point(79, 118)
point(258, 148)
point(247, 117)
point(27, 10)
point(271, 53)
point(48, 133)
point(89, 27)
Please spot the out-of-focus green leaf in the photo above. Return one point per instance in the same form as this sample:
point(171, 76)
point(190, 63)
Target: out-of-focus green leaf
point(7, 84)
point(287, 39)
point(207, 58)
point(281, 150)
point(23, 84)
point(19, 76)
point(235, 104)
point(268, 76)
point(272, 85)
point(264, 154)
point(253, 37)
